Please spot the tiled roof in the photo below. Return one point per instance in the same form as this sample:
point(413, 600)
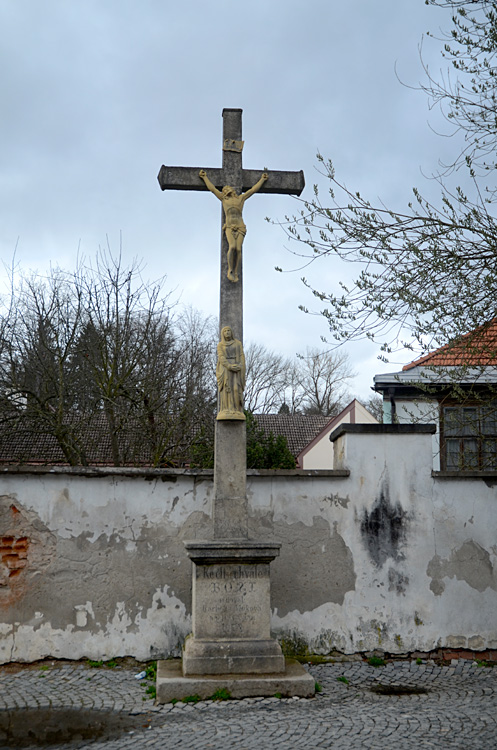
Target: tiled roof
point(26, 443)
point(476, 348)
point(299, 429)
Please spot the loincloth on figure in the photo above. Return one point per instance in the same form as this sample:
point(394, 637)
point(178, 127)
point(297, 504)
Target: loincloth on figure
point(235, 230)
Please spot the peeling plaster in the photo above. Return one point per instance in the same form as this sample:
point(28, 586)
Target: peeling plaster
point(97, 585)
point(27, 549)
point(121, 635)
point(469, 562)
point(337, 501)
point(328, 572)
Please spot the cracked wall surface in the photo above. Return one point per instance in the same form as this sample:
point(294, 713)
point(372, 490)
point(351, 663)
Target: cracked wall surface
point(389, 557)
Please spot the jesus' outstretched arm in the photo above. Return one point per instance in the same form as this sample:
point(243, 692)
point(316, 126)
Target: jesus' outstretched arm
point(208, 184)
point(256, 187)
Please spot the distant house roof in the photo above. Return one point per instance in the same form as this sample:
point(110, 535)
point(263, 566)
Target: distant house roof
point(25, 442)
point(299, 429)
point(354, 413)
point(305, 431)
point(468, 361)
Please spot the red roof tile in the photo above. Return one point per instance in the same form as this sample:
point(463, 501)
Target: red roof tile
point(476, 348)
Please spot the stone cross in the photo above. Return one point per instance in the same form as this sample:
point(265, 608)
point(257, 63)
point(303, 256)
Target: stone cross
point(230, 503)
point(231, 645)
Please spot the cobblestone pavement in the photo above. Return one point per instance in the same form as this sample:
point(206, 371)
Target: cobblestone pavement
point(459, 709)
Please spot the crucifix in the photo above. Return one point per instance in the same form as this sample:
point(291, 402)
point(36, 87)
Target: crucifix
point(232, 184)
point(241, 180)
point(231, 612)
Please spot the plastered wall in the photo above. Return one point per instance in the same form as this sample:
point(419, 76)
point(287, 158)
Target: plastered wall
point(92, 564)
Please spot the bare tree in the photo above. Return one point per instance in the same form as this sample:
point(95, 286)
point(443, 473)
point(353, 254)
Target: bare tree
point(268, 376)
point(374, 405)
point(96, 355)
point(426, 274)
point(40, 328)
point(130, 345)
point(322, 381)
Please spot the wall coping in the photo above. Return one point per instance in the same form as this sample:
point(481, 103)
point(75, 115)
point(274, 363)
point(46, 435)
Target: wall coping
point(163, 474)
point(492, 475)
point(383, 429)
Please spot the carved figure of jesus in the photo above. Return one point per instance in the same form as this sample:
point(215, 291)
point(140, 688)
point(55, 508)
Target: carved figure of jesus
point(234, 226)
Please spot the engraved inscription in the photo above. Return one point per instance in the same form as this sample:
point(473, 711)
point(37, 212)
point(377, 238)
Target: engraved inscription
point(232, 600)
point(232, 572)
point(235, 587)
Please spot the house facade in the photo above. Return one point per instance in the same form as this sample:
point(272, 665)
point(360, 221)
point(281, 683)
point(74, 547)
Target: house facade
point(454, 388)
point(308, 435)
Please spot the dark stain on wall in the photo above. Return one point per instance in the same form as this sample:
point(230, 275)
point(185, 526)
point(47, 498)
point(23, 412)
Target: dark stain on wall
point(383, 529)
point(397, 582)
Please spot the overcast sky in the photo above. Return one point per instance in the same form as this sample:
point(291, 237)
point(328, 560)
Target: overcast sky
point(97, 94)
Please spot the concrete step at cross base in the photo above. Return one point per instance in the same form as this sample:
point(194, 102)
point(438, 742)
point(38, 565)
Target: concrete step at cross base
point(171, 684)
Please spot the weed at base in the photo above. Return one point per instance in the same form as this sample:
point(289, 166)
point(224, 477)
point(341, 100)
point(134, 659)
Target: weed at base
point(318, 688)
point(151, 691)
point(151, 670)
point(151, 676)
point(343, 679)
point(221, 695)
point(111, 664)
point(376, 661)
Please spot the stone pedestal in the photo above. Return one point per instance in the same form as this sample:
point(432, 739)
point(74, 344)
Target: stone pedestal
point(231, 647)
point(231, 609)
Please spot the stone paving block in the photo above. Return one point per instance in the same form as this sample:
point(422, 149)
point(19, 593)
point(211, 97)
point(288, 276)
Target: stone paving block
point(458, 711)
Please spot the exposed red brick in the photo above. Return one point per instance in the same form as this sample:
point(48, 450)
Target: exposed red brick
point(22, 542)
point(14, 509)
point(13, 562)
point(7, 540)
point(14, 573)
point(460, 654)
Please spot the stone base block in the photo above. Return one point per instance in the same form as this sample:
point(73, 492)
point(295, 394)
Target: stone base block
point(171, 683)
point(232, 657)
